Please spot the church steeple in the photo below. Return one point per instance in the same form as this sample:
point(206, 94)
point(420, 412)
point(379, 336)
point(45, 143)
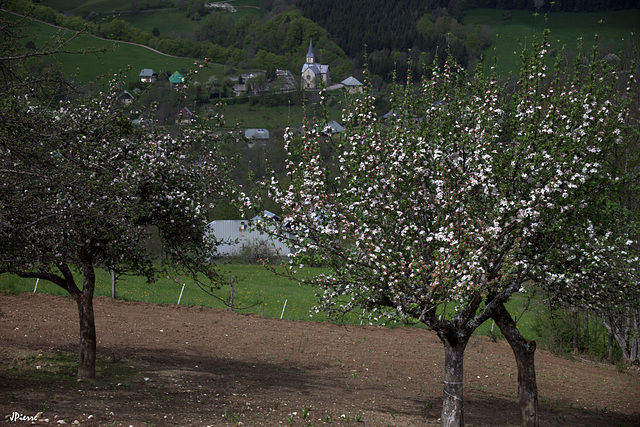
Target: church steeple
point(311, 58)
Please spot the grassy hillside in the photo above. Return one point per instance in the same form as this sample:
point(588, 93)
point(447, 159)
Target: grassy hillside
point(118, 57)
point(169, 22)
point(512, 29)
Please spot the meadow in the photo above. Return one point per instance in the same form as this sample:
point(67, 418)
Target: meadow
point(257, 290)
point(515, 28)
point(112, 57)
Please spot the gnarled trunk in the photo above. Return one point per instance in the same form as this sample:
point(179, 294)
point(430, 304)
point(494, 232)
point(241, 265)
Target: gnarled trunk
point(524, 352)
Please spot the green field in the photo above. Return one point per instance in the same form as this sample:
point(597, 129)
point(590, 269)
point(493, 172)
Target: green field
point(256, 291)
point(169, 20)
point(511, 34)
point(172, 23)
point(258, 116)
point(117, 57)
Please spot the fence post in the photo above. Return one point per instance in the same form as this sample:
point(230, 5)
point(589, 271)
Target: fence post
point(180, 297)
point(233, 291)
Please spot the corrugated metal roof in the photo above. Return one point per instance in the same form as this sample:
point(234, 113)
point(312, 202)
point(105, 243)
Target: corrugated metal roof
point(235, 235)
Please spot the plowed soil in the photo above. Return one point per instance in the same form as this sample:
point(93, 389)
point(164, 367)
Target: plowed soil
point(175, 365)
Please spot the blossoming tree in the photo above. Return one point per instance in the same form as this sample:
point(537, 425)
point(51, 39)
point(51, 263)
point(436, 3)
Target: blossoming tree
point(612, 289)
point(82, 188)
point(447, 202)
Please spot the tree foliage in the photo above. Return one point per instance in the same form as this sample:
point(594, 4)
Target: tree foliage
point(610, 288)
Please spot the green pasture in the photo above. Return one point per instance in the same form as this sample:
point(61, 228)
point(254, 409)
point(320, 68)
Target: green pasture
point(171, 22)
point(118, 57)
point(257, 116)
point(257, 290)
point(511, 34)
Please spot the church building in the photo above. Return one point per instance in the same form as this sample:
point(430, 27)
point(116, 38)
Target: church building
point(314, 73)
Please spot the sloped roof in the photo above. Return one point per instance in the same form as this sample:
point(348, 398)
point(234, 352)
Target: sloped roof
point(147, 72)
point(316, 68)
point(125, 94)
point(351, 81)
point(176, 78)
point(335, 127)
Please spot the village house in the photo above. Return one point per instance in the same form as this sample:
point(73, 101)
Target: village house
point(184, 116)
point(125, 98)
point(176, 79)
point(257, 135)
point(240, 89)
point(352, 85)
point(313, 73)
point(334, 127)
point(147, 75)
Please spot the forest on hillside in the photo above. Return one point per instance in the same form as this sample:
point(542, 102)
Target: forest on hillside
point(387, 35)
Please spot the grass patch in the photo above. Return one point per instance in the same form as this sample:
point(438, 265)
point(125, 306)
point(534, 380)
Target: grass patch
point(55, 367)
point(274, 117)
point(83, 6)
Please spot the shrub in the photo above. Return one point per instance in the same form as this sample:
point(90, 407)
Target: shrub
point(555, 331)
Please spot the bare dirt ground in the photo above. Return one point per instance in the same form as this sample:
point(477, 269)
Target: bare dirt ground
point(174, 365)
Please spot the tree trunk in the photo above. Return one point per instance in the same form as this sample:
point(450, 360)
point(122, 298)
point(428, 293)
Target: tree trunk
point(611, 348)
point(524, 352)
point(452, 406)
point(87, 353)
point(620, 331)
point(84, 300)
point(586, 341)
point(635, 340)
point(576, 331)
